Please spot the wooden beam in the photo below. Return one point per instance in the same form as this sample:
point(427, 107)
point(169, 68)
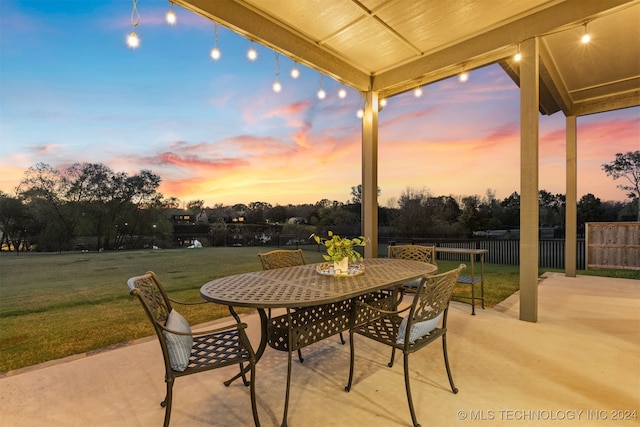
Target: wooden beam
point(571, 216)
point(529, 165)
point(370, 174)
point(610, 103)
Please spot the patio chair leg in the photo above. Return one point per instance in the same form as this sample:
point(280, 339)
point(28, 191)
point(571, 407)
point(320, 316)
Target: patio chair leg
point(408, 387)
point(393, 356)
point(300, 358)
point(243, 373)
point(166, 403)
point(351, 362)
point(342, 341)
point(446, 363)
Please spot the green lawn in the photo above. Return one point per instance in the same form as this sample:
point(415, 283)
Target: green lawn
point(56, 305)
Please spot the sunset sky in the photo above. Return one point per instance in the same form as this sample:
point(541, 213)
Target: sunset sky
point(72, 91)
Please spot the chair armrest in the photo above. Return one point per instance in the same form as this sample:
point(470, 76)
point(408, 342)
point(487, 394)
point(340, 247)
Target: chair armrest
point(238, 326)
point(380, 310)
point(187, 302)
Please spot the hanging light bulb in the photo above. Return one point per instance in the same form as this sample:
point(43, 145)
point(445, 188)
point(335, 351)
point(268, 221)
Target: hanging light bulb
point(132, 39)
point(215, 52)
point(586, 38)
point(342, 93)
point(417, 92)
point(171, 16)
point(295, 73)
point(321, 93)
point(383, 103)
point(277, 87)
point(518, 56)
point(464, 76)
point(252, 54)
point(360, 113)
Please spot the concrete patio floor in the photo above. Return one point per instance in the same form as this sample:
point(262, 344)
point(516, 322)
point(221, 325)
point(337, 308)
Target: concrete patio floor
point(578, 365)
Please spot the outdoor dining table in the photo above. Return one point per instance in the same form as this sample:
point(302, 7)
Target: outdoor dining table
point(318, 304)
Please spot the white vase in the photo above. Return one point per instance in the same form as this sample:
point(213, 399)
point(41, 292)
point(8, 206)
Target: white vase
point(342, 266)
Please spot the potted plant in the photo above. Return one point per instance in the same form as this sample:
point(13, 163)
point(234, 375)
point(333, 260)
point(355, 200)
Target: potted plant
point(340, 250)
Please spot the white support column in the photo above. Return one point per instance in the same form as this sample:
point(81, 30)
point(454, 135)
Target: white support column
point(571, 216)
point(529, 211)
point(370, 174)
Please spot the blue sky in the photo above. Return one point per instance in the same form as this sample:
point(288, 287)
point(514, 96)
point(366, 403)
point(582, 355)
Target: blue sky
point(72, 91)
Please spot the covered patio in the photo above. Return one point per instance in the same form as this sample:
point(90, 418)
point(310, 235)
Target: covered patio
point(386, 47)
point(579, 365)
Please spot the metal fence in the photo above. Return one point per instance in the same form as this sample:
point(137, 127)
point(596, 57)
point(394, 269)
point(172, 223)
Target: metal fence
point(551, 252)
point(500, 251)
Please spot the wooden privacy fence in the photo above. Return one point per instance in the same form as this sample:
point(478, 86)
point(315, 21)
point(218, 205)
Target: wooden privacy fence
point(613, 245)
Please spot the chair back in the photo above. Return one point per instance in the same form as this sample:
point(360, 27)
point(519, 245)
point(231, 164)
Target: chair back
point(281, 258)
point(156, 305)
point(433, 295)
point(414, 253)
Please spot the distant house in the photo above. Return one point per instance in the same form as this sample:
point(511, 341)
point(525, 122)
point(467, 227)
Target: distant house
point(180, 216)
point(296, 220)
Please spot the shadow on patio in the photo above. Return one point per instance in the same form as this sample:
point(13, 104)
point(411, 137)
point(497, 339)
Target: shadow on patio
point(580, 362)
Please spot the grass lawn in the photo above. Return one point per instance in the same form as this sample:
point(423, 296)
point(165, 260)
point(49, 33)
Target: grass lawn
point(57, 305)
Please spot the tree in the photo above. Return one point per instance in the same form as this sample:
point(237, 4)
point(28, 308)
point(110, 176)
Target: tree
point(552, 207)
point(470, 218)
point(410, 218)
point(256, 212)
point(89, 199)
point(55, 220)
point(627, 166)
point(356, 194)
point(14, 219)
point(511, 211)
point(589, 209)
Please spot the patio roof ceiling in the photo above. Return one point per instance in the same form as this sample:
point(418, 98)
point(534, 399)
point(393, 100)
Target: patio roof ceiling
point(392, 46)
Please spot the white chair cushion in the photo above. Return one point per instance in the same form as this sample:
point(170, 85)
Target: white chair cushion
point(412, 283)
point(179, 346)
point(418, 329)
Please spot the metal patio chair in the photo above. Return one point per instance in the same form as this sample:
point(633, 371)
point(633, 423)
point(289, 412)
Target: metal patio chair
point(413, 253)
point(186, 352)
point(425, 322)
point(280, 258)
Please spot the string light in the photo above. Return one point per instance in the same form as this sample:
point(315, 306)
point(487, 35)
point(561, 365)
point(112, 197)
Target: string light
point(417, 92)
point(321, 93)
point(295, 73)
point(277, 87)
point(518, 56)
point(586, 38)
point(464, 76)
point(360, 113)
point(215, 52)
point(132, 39)
point(171, 16)
point(383, 103)
point(252, 54)
point(342, 93)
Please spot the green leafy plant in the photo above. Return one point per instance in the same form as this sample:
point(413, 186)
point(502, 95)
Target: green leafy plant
point(340, 247)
